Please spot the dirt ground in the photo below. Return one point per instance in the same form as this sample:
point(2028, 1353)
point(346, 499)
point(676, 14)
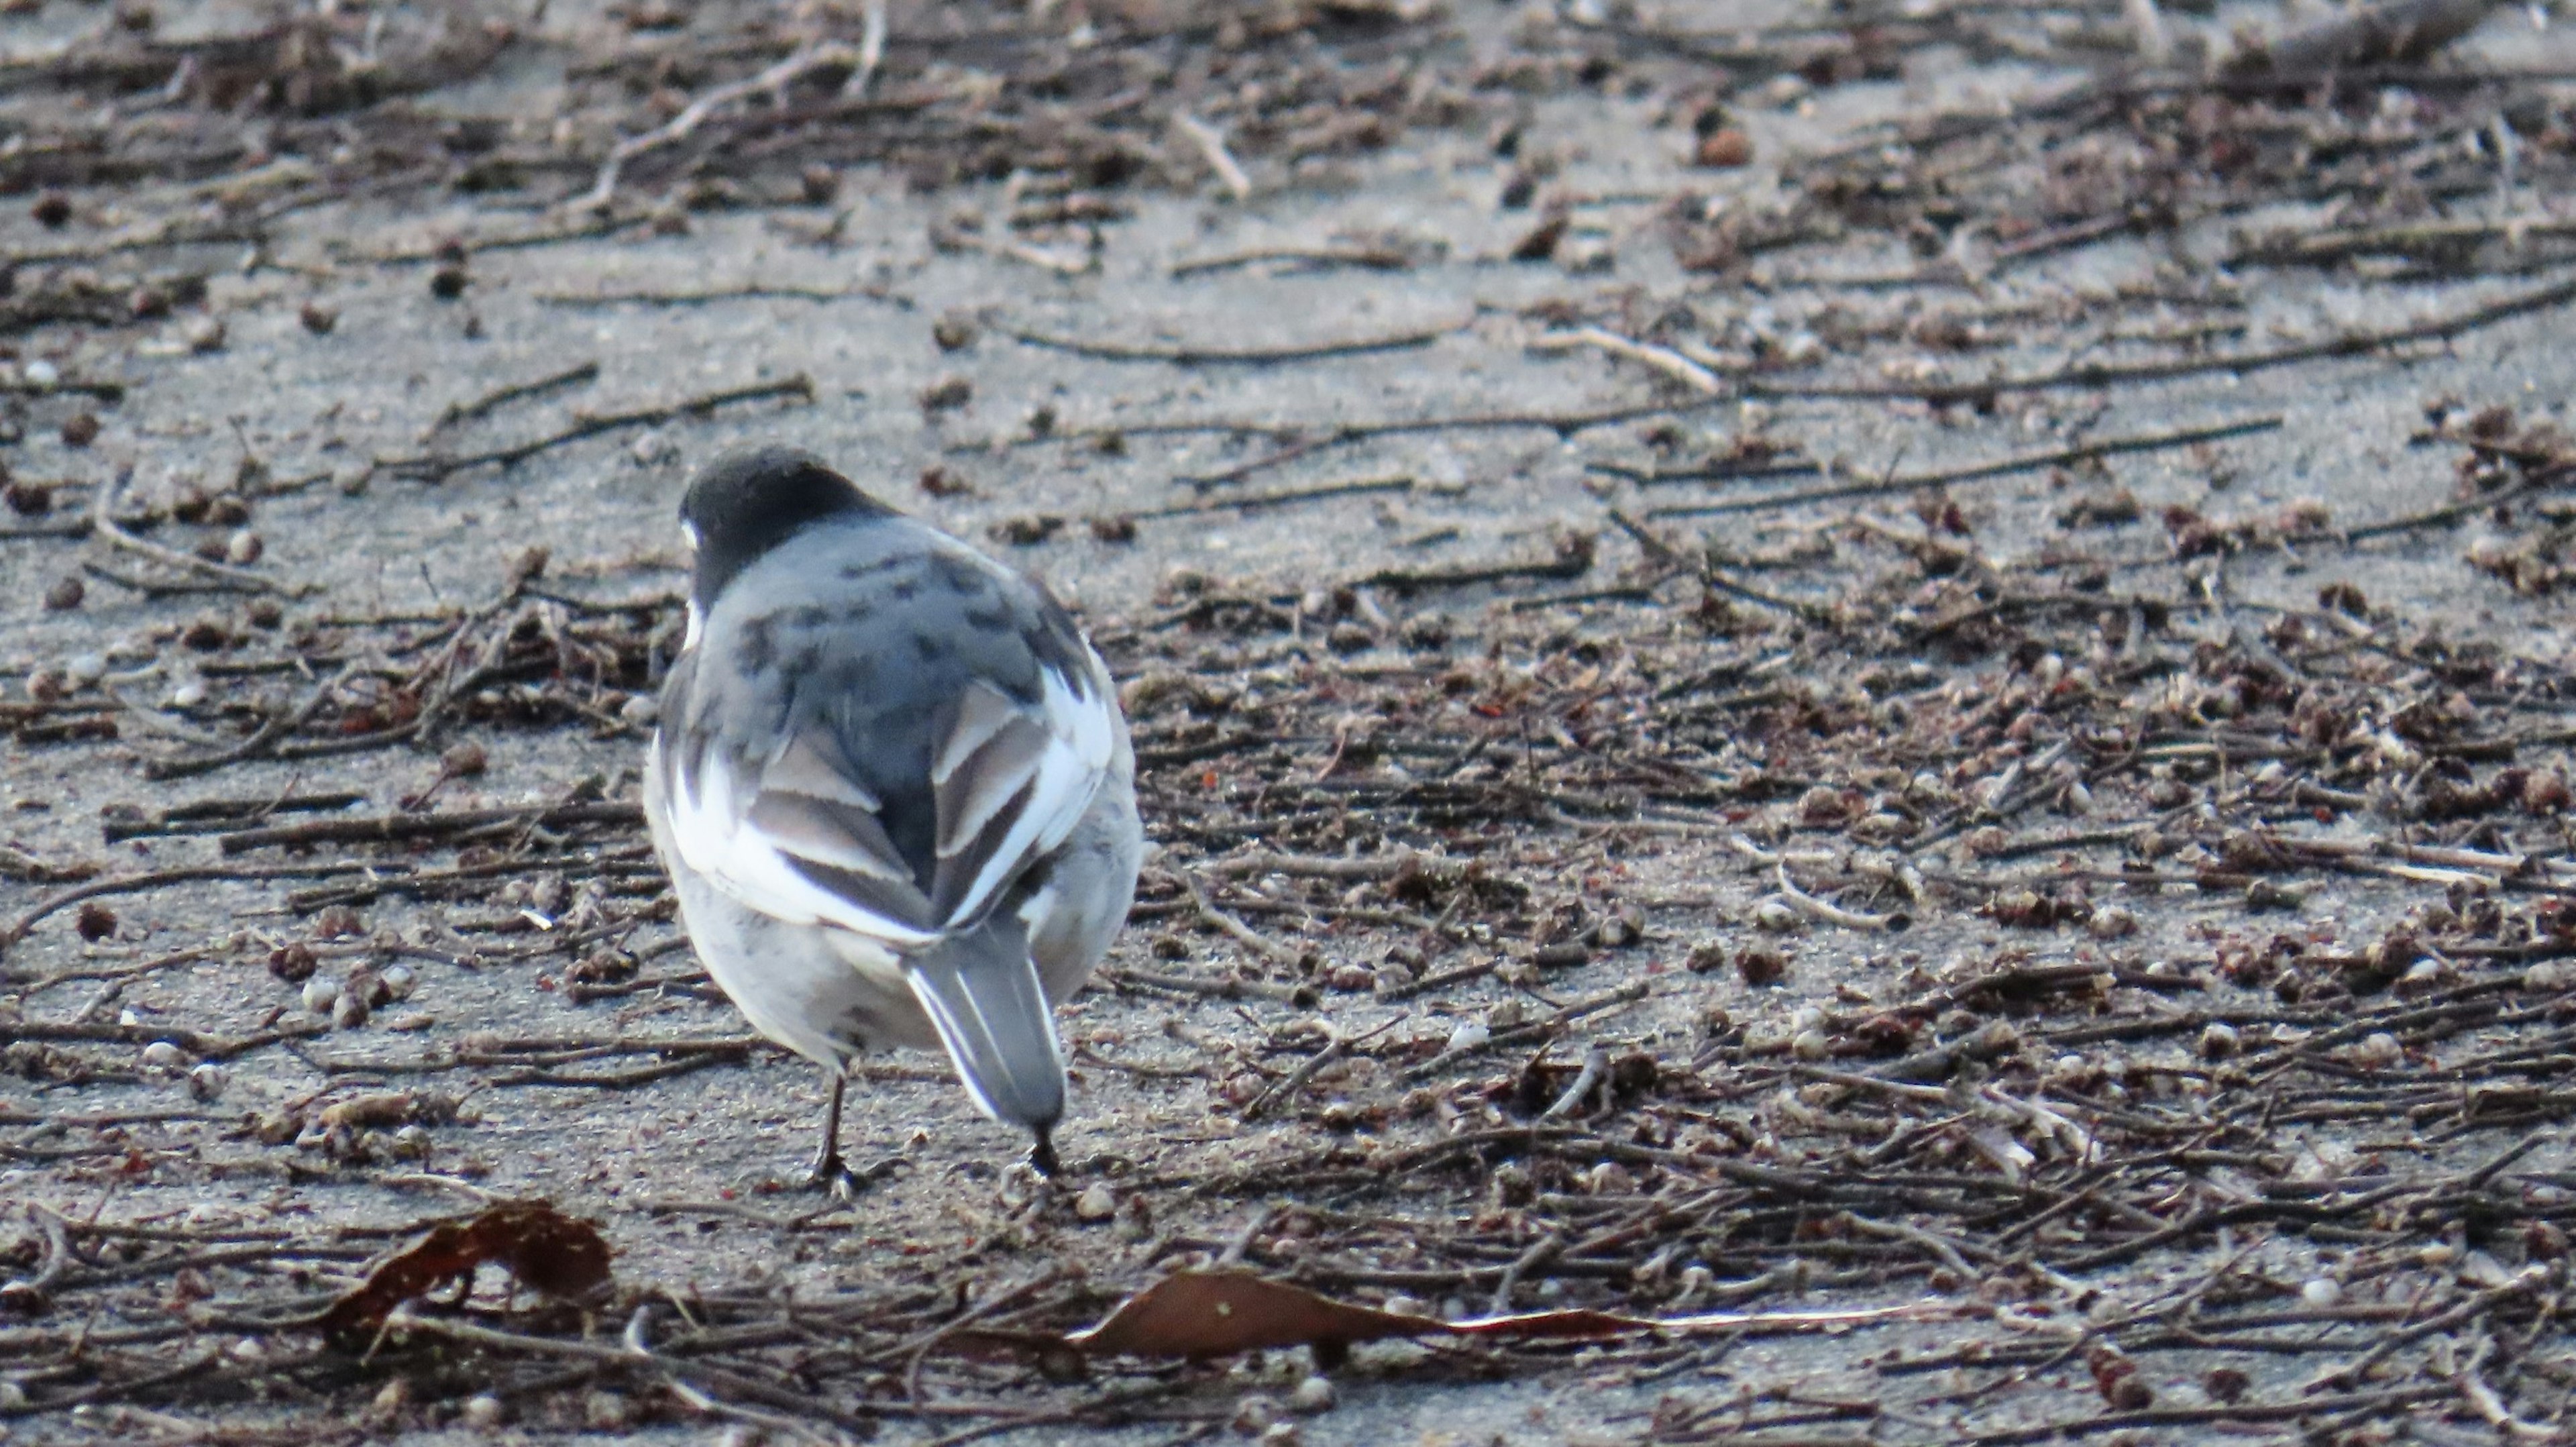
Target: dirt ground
point(1899, 669)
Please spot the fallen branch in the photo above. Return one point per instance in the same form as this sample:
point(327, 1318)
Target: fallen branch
point(1211, 144)
point(102, 523)
point(433, 467)
point(1979, 472)
point(2105, 374)
point(774, 80)
point(1671, 364)
point(1183, 355)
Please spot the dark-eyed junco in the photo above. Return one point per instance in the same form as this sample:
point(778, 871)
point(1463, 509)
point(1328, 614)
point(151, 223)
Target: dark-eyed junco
point(892, 785)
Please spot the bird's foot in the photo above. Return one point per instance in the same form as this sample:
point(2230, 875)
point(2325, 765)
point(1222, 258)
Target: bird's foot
point(1043, 1160)
point(834, 1175)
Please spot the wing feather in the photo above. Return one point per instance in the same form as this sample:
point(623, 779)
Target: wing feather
point(799, 838)
point(791, 855)
point(803, 768)
point(989, 782)
point(1079, 728)
point(981, 713)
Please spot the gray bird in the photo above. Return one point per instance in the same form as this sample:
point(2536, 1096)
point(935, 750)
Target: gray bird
point(893, 788)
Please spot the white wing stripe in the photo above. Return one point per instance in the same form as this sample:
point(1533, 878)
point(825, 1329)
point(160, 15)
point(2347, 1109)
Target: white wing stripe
point(716, 839)
point(981, 714)
point(800, 768)
point(1068, 776)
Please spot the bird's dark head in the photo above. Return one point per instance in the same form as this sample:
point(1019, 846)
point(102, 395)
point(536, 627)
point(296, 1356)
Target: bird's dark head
point(745, 503)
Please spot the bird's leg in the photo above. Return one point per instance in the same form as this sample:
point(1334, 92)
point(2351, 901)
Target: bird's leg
point(830, 1172)
point(1042, 1157)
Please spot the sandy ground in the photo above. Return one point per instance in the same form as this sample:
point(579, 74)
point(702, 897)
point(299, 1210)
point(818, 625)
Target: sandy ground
point(658, 1162)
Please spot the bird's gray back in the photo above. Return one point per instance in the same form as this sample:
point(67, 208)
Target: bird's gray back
point(866, 632)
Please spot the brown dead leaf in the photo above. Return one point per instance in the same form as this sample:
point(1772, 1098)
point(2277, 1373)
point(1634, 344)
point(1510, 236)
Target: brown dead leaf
point(1197, 1314)
point(549, 1252)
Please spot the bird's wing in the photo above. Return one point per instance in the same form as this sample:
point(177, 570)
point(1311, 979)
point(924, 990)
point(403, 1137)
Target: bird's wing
point(798, 835)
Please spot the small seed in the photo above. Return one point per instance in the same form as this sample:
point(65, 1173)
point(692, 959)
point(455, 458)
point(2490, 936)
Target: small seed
point(947, 394)
point(1724, 148)
point(96, 922)
point(80, 429)
point(317, 318)
point(65, 595)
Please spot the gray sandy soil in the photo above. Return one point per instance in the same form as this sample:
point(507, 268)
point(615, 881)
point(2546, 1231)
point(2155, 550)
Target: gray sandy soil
point(1619, 771)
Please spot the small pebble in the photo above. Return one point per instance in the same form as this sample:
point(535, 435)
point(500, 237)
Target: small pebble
point(399, 981)
point(243, 548)
point(2218, 1041)
point(321, 993)
point(41, 373)
point(84, 669)
point(207, 1081)
point(483, 1413)
point(65, 595)
point(317, 318)
point(2547, 977)
point(2320, 1292)
point(2112, 922)
point(1810, 1045)
point(1255, 1414)
point(1096, 1203)
point(1469, 1035)
point(164, 1055)
point(1315, 1394)
point(203, 334)
point(350, 1011)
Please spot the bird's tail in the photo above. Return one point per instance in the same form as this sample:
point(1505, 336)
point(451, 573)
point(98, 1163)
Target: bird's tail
point(981, 991)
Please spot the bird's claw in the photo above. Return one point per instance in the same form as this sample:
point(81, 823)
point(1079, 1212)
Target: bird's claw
point(1043, 1159)
point(834, 1176)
